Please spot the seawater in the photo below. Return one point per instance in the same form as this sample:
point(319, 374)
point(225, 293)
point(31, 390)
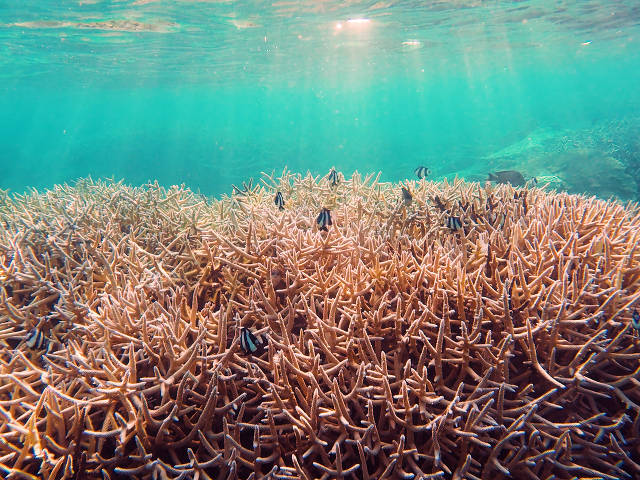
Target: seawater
point(210, 93)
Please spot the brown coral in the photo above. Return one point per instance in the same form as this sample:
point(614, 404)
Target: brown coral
point(397, 348)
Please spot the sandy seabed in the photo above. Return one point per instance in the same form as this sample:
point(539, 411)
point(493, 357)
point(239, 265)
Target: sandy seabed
point(396, 347)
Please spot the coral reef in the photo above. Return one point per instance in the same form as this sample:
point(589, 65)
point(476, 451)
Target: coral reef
point(600, 160)
point(605, 174)
point(396, 347)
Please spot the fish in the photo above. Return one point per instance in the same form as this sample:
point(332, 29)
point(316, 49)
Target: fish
point(279, 201)
point(333, 177)
point(513, 177)
point(407, 198)
point(635, 319)
point(454, 223)
point(251, 344)
point(422, 172)
point(439, 205)
point(35, 339)
point(324, 219)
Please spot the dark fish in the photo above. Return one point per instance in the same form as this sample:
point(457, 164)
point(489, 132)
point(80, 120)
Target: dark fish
point(35, 339)
point(454, 223)
point(635, 319)
point(439, 205)
point(422, 172)
point(333, 177)
point(513, 177)
point(324, 219)
point(249, 343)
point(407, 198)
point(279, 201)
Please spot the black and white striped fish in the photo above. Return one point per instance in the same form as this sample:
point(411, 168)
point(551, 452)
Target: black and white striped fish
point(333, 177)
point(324, 219)
point(454, 223)
point(249, 343)
point(406, 196)
point(36, 340)
point(279, 201)
point(635, 319)
point(422, 172)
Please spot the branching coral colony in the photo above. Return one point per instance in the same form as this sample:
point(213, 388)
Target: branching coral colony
point(399, 344)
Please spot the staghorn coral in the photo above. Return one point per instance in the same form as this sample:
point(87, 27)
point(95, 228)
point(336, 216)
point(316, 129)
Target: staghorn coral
point(397, 348)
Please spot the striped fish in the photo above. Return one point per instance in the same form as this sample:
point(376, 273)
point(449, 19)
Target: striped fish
point(279, 201)
point(454, 223)
point(422, 172)
point(635, 319)
point(324, 219)
point(333, 177)
point(406, 196)
point(249, 343)
point(35, 339)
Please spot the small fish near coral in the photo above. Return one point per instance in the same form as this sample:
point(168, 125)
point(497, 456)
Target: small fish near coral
point(250, 344)
point(36, 340)
point(513, 177)
point(324, 219)
point(279, 201)
point(333, 177)
point(439, 205)
point(422, 172)
point(635, 320)
point(407, 198)
point(454, 223)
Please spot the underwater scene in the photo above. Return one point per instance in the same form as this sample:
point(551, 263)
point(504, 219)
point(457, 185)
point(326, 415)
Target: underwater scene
point(320, 239)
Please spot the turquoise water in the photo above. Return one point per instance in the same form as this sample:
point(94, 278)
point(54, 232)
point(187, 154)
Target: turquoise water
point(212, 93)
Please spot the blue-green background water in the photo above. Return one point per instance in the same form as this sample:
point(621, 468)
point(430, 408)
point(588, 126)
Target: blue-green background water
point(212, 93)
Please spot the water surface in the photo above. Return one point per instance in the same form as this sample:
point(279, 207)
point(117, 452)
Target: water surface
point(211, 93)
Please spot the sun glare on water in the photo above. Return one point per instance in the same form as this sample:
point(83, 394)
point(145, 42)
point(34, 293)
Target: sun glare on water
point(358, 21)
point(353, 23)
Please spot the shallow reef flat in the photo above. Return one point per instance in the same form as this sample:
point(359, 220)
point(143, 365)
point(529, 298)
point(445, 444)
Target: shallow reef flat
point(399, 343)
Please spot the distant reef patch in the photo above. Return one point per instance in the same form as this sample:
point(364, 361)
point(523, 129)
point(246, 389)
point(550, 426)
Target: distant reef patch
point(602, 160)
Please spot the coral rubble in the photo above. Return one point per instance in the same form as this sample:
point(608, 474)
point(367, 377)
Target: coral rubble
point(396, 347)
